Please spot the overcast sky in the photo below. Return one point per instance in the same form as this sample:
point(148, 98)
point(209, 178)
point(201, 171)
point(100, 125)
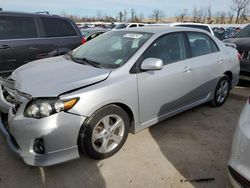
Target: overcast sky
point(111, 7)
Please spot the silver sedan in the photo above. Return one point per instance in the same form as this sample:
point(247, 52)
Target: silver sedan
point(120, 82)
point(239, 165)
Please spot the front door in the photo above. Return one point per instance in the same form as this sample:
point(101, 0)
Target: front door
point(164, 91)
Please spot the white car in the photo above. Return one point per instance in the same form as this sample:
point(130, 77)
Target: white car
point(127, 25)
point(205, 27)
point(239, 162)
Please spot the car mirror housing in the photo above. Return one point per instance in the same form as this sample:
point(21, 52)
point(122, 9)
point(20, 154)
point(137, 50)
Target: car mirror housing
point(152, 64)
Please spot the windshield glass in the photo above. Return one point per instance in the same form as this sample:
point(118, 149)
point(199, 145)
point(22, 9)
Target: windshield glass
point(111, 49)
point(245, 32)
point(121, 26)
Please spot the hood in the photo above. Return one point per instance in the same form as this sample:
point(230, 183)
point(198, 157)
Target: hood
point(241, 43)
point(52, 76)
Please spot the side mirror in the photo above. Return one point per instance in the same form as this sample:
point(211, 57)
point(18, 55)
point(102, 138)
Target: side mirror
point(152, 64)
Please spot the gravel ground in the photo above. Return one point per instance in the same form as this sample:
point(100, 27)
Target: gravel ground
point(193, 145)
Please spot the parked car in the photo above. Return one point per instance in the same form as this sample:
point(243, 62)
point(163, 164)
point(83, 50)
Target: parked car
point(238, 165)
point(205, 27)
point(242, 41)
point(127, 25)
point(81, 102)
point(26, 37)
point(89, 34)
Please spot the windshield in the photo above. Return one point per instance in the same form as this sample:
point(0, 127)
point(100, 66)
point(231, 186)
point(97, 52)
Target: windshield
point(112, 49)
point(245, 32)
point(120, 26)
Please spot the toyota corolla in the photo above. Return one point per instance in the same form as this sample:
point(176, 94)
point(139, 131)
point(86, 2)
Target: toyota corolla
point(123, 81)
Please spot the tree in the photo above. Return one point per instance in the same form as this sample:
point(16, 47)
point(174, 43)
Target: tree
point(120, 16)
point(209, 14)
point(240, 7)
point(230, 16)
point(157, 15)
point(182, 16)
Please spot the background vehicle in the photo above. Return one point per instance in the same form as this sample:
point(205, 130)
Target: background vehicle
point(239, 162)
point(242, 41)
point(205, 27)
point(127, 25)
point(89, 34)
point(26, 37)
point(167, 69)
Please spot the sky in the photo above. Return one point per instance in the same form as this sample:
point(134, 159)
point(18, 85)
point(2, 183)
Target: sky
point(111, 7)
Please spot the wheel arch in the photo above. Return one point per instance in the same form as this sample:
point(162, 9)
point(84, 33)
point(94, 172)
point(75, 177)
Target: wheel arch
point(230, 75)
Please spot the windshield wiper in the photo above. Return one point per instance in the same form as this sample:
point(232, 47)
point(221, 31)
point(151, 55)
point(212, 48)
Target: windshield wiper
point(85, 60)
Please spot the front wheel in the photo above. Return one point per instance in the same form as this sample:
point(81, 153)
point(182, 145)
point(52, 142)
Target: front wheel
point(105, 132)
point(221, 92)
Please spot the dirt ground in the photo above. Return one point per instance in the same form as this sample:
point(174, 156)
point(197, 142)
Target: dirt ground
point(193, 145)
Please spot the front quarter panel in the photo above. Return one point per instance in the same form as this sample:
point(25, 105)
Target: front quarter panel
point(118, 88)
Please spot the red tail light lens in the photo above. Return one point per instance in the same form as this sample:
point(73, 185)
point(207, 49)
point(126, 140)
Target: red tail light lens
point(239, 56)
point(83, 41)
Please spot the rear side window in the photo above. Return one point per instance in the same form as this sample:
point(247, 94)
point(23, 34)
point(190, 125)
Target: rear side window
point(169, 48)
point(133, 25)
point(201, 44)
point(57, 28)
point(13, 27)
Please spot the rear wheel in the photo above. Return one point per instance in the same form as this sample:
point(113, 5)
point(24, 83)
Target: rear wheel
point(221, 92)
point(105, 132)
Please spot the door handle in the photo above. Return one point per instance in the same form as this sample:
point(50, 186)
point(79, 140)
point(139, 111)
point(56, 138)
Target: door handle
point(4, 47)
point(187, 69)
point(220, 60)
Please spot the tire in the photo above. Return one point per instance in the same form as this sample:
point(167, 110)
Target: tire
point(221, 92)
point(104, 133)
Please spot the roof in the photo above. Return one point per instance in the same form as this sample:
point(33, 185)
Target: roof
point(25, 14)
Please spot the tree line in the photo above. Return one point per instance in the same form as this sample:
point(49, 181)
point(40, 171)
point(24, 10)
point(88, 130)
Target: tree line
point(237, 12)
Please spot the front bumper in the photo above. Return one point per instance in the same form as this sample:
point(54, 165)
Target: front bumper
point(239, 161)
point(59, 133)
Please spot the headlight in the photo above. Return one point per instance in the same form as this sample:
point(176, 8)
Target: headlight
point(45, 107)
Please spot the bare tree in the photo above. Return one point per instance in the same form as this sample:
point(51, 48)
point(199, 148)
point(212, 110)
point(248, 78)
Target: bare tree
point(209, 14)
point(120, 16)
point(230, 16)
point(222, 17)
point(182, 16)
point(133, 14)
point(124, 15)
point(240, 7)
point(157, 15)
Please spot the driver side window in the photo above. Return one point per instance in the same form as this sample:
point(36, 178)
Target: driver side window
point(169, 48)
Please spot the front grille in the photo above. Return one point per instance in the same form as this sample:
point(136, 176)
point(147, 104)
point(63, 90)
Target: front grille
point(238, 178)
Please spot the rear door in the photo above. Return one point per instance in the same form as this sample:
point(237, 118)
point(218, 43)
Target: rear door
point(164, 91)
point(59, 34)
point(206, 64)
point(17, 36)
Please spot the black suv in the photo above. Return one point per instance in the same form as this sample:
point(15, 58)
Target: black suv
point(242, 41)
point(26, 37)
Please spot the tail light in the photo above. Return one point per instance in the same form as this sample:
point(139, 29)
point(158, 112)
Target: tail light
point(83, 40)
point(239, 56)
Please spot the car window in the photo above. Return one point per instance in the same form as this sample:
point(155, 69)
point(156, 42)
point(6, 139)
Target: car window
point(94, 36)
point(120, 26)
point(133, 25)
point(57, 28)
point(13, 27)
point(170, 48)
point(201, 44)
point(245, 32)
